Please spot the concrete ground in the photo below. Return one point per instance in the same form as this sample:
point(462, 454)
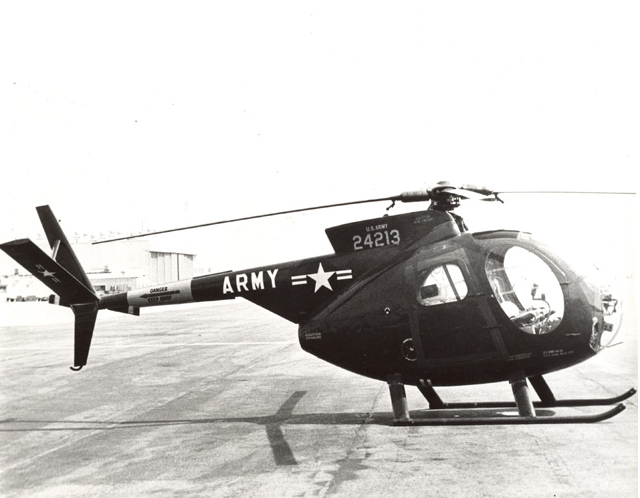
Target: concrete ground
point(218, 400)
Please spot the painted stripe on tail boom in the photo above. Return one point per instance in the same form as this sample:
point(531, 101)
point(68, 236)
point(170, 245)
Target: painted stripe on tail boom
point(170, 293)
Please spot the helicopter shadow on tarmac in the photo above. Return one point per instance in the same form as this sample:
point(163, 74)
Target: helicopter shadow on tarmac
point(282, 453)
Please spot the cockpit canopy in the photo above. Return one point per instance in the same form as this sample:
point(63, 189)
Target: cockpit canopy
point(526, 289)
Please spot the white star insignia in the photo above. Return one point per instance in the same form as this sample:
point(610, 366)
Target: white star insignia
point(47, 273)
point(322, 278)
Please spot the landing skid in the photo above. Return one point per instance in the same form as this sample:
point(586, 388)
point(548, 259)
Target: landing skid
point(500, 413)
point(510, 419)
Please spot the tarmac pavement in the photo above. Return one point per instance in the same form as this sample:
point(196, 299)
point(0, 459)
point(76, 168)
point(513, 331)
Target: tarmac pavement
point(218, 400)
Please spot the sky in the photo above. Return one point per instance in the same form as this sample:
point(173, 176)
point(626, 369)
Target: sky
point(149, 115)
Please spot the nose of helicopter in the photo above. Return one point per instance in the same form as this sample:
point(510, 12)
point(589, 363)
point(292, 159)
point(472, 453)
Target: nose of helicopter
point(607, 317)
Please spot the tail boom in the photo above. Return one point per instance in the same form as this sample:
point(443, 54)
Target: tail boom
point(179, 292)
point(170, 293)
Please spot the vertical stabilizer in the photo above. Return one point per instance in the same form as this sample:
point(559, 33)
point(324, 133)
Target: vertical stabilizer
point(62, 252)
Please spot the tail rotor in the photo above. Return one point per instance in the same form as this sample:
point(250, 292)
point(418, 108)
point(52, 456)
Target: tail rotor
point(64, 275)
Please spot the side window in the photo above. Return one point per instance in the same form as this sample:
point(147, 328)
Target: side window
point(443, 284)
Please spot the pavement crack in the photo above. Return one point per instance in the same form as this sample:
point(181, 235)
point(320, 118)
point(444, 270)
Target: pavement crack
point(356, 453)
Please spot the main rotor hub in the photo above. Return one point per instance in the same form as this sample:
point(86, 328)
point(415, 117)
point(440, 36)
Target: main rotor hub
point(445, 202)
point(445, 196)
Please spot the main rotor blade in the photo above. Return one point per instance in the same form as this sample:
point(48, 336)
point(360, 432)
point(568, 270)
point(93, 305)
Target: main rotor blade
point(247, 218)
point(564, 192)
point(412, 196)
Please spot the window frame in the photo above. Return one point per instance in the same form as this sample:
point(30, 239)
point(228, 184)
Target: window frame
point(425, 273)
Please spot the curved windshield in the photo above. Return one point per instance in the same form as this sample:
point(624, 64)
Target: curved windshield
point(526, 289)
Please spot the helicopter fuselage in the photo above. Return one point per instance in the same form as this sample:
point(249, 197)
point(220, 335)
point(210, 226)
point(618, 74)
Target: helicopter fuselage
point(417, 296)
point(438, 314)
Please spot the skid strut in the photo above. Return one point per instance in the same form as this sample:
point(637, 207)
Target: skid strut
point(476, 413)
point(398, 399)
point(520, 390)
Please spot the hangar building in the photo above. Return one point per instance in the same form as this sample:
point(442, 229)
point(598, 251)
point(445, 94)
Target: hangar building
point(129, 264)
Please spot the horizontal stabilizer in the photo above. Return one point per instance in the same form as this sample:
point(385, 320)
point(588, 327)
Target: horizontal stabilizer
point(49, 272)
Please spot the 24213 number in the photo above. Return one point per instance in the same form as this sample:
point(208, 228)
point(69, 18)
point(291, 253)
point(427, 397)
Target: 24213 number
point(376, 239)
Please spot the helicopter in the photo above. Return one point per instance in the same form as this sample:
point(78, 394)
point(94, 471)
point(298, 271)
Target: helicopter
point(413, 299)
